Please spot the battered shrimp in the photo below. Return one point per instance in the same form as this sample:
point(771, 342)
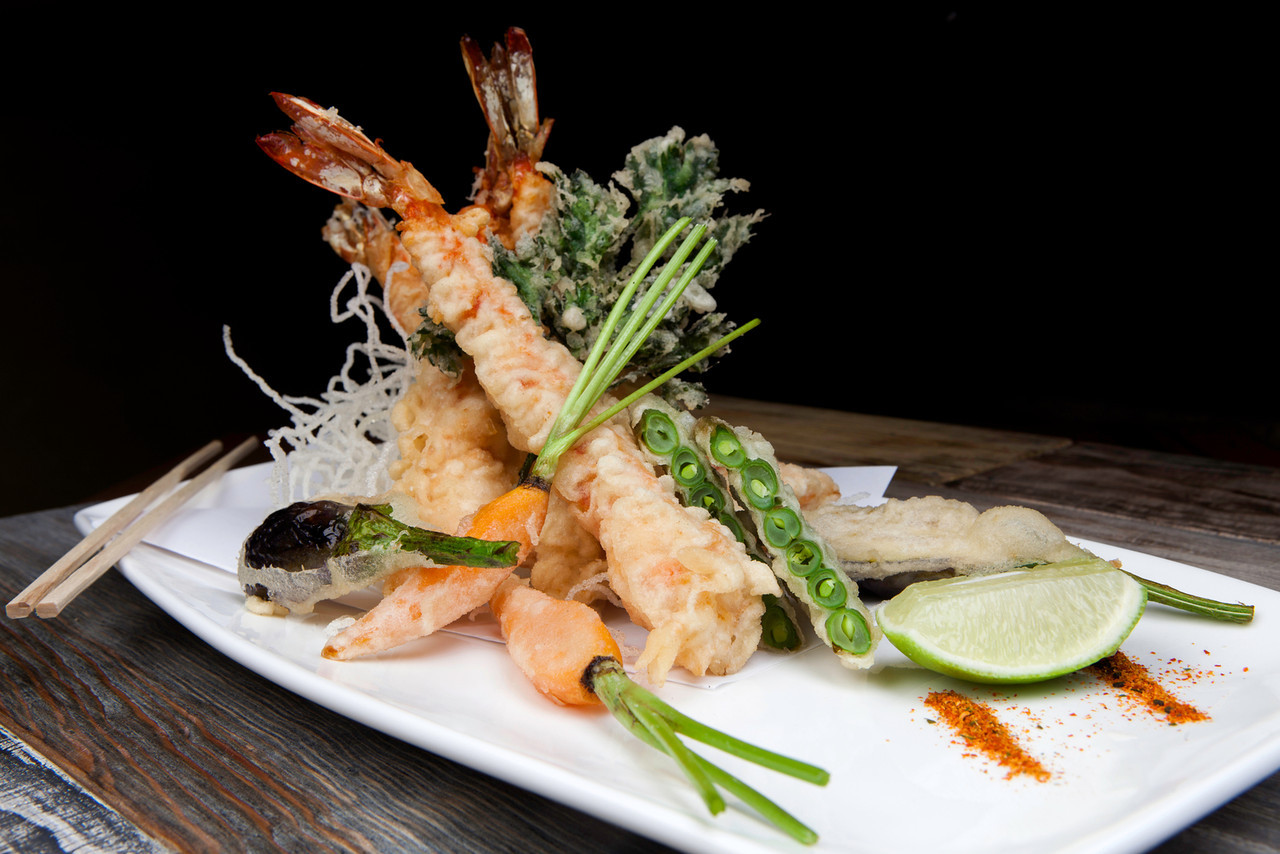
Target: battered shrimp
point(416, 606)
point(568, 562)
point(678, 572)
point(454, 454)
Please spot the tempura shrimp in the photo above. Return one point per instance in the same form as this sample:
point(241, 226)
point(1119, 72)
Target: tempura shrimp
point(680, 574)
point(454, 454)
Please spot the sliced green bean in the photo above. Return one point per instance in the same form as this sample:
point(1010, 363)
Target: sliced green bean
point(848, 630)
point(781, 526)
point(779, 628)
point(686, 467)
point(803, 558)
point(658, 432)
point(726, 449)
point(799, 557)
point(759, 484)
point(826, 588)
point(709, 497)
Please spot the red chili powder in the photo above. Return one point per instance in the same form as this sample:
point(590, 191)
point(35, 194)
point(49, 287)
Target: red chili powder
point(1120, 671)
point(977, 724)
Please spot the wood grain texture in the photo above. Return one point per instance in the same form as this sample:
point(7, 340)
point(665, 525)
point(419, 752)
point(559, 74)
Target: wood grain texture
point(1188, 493)
point(41, 810)
point(924, 452)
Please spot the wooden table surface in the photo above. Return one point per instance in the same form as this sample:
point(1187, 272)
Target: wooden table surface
point(122, 731)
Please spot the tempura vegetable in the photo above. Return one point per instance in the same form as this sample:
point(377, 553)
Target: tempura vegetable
point(900, 542)
point(312, 551)
point(801, 559)
point(892, 544)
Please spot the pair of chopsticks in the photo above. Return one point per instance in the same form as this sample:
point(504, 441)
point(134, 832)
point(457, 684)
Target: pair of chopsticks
point(113, 539)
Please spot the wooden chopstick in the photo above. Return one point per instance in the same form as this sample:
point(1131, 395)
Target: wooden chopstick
point(24, 603)
point(80, 567)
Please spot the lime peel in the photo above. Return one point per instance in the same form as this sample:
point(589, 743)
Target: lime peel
point(1026, 625)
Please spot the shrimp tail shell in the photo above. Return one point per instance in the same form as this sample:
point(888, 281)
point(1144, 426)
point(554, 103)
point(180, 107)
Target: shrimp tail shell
point(333, 154)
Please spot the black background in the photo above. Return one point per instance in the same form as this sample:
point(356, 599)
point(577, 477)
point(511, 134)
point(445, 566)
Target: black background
point(1050, 222)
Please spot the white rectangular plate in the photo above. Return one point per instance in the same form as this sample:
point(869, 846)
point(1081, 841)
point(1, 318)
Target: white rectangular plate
point(1121, 779)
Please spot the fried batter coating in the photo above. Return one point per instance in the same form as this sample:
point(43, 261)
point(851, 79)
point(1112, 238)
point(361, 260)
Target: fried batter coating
point(454, 455)
point(567, 556)
point(812, 487)
point(675, 569)
point(904, 540)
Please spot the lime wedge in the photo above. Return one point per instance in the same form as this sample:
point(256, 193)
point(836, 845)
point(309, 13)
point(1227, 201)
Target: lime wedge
point(1022, 626)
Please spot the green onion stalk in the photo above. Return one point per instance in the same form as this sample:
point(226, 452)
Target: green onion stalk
point(624, 332)
point(657, 724)
point(1229, 612)
point(1204, 607)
